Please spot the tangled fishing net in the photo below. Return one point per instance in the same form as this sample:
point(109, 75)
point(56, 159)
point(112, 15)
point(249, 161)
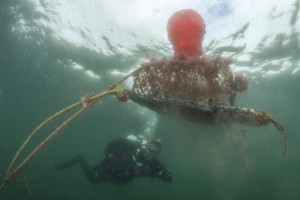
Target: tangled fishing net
point(201, 85)
point(200, 89)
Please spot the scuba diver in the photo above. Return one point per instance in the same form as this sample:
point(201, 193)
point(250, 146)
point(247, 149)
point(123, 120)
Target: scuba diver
point(125, 159)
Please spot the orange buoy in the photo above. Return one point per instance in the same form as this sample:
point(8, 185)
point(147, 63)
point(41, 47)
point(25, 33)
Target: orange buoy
point(186, 29)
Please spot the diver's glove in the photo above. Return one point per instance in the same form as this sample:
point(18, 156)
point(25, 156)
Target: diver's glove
point(165, 175)
point(158, 170)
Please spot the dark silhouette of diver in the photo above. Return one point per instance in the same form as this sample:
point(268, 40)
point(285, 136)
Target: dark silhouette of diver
point(125, 159)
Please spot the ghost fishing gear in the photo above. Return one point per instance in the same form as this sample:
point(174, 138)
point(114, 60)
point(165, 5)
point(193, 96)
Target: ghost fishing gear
point(201, 89)
point(189, 84)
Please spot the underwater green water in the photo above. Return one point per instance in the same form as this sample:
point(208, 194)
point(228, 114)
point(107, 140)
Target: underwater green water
point(204, 162)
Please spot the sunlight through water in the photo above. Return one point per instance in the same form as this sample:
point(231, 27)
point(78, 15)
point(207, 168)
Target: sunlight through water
point(253, 33)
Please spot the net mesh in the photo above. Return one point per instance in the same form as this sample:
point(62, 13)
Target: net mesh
point(202, 80)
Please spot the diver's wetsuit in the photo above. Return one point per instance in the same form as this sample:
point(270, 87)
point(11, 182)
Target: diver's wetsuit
point(124, 160)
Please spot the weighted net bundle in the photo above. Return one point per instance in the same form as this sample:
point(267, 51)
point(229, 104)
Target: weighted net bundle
point(194, 86)
point(199, 89)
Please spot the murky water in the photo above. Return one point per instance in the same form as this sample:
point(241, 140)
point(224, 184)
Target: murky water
point(54, 52)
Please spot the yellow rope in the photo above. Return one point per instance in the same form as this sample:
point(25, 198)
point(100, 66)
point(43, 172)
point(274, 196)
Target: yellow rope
point(85, 102)
point(11, 174)
point(37, 129)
